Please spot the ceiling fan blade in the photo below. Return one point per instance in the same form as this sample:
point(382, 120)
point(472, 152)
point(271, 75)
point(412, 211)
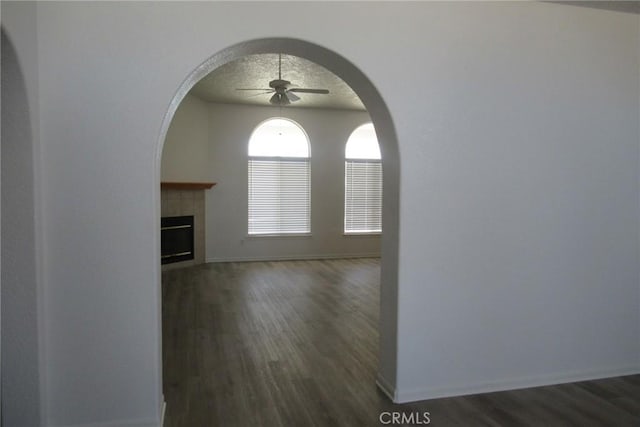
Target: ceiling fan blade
point(262, 88)
point(302, 90)
point(292, 96)
point(259, 94)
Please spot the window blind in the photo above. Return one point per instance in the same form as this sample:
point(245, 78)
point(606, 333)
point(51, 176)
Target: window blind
point(363, 196)
point(279, 199)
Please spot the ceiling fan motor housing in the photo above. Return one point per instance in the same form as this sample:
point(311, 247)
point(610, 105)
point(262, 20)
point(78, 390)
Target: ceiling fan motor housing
point(279, 84)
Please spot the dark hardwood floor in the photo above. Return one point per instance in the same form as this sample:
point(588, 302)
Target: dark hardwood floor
point(295, 344)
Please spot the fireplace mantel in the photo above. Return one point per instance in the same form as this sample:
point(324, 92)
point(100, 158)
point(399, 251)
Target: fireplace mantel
point(187, 185)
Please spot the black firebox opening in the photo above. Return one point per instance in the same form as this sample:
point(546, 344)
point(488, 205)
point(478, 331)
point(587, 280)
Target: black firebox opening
point(176, 239)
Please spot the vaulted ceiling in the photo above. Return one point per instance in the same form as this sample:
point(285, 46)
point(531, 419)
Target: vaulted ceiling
point(256, 71)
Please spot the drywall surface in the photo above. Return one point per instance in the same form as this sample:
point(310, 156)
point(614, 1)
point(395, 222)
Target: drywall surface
point(518, 136)
point(20, 292)
point(185, 157)
point(522, 268)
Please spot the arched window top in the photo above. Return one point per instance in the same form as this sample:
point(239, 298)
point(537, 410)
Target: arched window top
point(363, 143)
point(279, 137)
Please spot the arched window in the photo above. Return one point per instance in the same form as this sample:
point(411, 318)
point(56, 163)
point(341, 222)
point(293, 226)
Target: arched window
point(363, 182)
point(279, 199)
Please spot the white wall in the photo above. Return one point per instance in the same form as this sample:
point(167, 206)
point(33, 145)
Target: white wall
point(226, 203)
point(21, 373)
point(524, 161)
point(518, 133)
point(185, 156)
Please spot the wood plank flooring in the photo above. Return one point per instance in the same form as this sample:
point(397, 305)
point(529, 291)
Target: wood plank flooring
point(295, 344)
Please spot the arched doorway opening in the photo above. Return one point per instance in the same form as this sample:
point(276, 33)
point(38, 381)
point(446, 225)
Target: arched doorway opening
point(21, 388)
point(381, 118)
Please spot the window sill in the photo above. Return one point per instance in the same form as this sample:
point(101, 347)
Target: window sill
point(278, 236)
point(362, 233)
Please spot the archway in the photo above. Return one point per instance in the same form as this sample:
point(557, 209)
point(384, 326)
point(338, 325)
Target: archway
point(385, 130)
point(21, 313)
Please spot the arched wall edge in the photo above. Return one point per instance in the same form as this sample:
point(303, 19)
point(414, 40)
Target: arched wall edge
point(385, 130)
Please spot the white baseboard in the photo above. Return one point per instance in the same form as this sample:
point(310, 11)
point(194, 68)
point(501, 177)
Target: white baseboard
point(130, 423)
point(412, 395)
point(386, 387)
point(291, 257)
point(121, 423)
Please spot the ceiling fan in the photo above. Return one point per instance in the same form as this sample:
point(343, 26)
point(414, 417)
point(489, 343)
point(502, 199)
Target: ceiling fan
point(284, 93)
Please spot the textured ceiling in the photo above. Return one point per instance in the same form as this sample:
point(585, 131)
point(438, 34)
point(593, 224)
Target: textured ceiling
point(256, 71)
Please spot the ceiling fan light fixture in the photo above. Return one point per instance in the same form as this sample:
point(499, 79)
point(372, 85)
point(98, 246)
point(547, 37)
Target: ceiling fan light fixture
point(279, 99)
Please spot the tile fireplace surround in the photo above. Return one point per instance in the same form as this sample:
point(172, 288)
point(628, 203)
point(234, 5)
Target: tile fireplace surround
point(179, 199)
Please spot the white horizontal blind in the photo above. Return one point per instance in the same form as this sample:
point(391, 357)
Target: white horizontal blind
point(363, 196)
point(279, 199)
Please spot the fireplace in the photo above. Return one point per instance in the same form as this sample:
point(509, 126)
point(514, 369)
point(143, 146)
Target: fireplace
point(180, 199)
point(176, 239)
